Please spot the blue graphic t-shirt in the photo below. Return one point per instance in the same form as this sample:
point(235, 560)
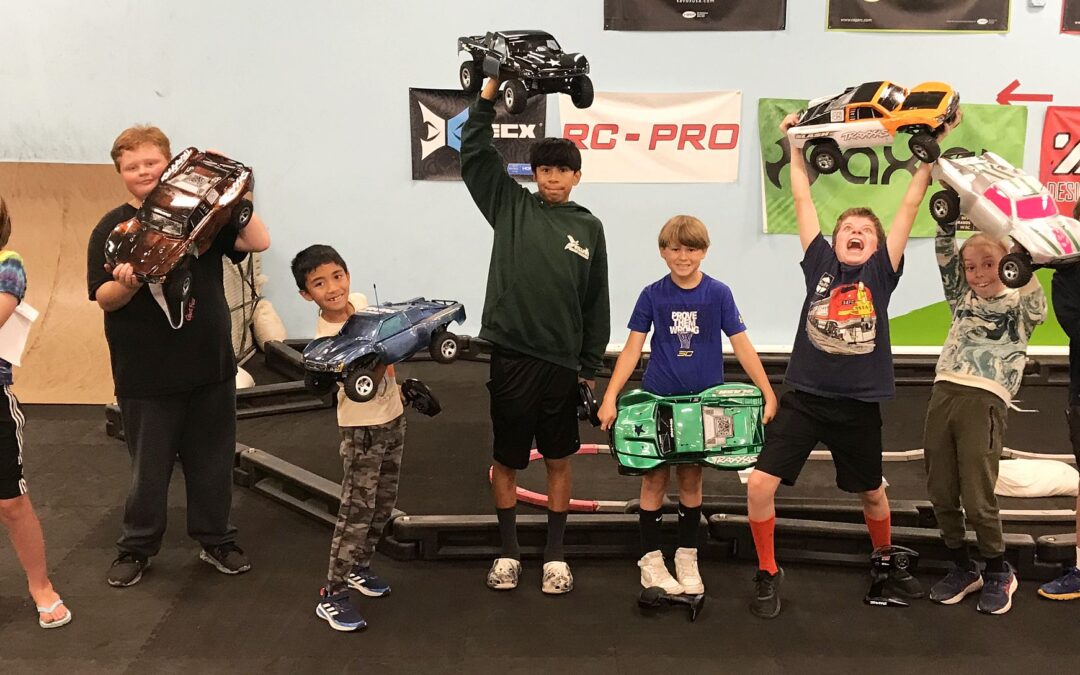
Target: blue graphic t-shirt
point(12, 282)
point(687, 353)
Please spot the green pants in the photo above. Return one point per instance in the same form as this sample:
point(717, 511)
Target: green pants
point(964, 428)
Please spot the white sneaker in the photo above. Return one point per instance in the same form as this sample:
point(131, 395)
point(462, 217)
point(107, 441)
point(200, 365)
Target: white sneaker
point(557, 578)
point(655, 573)
point(687, 572)
point(504, 574)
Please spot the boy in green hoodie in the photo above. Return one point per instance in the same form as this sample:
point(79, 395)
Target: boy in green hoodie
point(546, 312)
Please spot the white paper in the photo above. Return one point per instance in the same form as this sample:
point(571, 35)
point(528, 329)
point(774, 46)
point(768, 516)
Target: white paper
point(14, 332)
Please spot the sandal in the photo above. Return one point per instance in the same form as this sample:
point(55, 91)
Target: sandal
point(52, 608)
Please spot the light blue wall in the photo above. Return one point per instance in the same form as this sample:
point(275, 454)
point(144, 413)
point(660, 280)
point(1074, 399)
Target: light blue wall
point(314, 95)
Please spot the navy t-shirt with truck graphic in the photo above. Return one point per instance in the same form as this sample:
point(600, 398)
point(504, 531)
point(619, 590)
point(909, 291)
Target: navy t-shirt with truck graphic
point(686, 354)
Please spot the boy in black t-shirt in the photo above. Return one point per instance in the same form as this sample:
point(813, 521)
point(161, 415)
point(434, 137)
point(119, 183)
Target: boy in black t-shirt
point(840, 369)
point(176, 388)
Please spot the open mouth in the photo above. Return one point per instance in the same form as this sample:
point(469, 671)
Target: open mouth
point(855, 244)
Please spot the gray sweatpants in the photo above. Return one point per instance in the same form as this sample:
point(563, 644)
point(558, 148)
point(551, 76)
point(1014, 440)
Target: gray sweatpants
point(964, 428)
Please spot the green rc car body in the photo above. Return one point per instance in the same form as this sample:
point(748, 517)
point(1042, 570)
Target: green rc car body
point(719, 427)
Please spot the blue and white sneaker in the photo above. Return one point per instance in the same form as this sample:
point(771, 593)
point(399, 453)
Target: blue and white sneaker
point(338, 611)
point(997, 591)
point(1065, 587)
point(367, 582)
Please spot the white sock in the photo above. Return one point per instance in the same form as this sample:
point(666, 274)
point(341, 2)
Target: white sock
point(1078, 556)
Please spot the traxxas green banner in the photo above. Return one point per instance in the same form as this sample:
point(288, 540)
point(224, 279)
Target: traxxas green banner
point(874, 177)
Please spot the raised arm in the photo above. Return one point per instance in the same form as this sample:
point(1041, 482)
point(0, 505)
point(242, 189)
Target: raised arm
point(255, 236)
point(900, 230)
point(1033, 304)
point(750, 361)
point(482, 167)
point(805, 212)
point(624, 367)
point(953, 281)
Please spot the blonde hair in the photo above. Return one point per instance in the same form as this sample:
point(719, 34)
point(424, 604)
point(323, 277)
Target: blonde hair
point(685, 230)
point(983, 239)
point(860, 212)
point(5, 223)
point(133, 137)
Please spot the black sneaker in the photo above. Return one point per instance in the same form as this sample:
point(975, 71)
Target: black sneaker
point(127, 569)
point(957, 584)
point(905, 584)
point(997, 591)
point(767, 603)
point(227, 558)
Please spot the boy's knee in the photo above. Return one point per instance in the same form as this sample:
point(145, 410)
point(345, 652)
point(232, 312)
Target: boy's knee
point(13, 509)
point(760, 485)
point(558, 467)
point(873, 497)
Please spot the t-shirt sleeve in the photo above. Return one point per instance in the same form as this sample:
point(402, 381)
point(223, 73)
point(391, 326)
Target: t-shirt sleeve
point(12, 276)
point(817, 254)
point(96, 275)
point(641, 318)
point(730, 317)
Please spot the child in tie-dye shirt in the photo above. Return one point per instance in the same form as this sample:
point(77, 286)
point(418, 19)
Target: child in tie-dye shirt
point(16, 513)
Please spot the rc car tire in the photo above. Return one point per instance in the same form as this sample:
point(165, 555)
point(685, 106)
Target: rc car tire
point(243, 212)
point(581, 92)
point(319, 384)
point(515, 96)
point(1015, 270)
point(826, 158)
point(360, 385)
point(945, 207)
point(472, 78)
point(444, 347)
point(924, 147)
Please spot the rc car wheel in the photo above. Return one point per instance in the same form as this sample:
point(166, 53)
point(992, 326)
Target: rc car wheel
point(1015, 270)
point(945, 207)
point(444, 347)
point(472, 80)
point(243, 212)
point(177, 287)
point(825, 157)
point(515, 96)
point(925, 148)
point(581, 92)
point(360, 385)
point(319, 384)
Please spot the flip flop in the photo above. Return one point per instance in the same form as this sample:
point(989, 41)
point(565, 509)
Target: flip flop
point(52, 608)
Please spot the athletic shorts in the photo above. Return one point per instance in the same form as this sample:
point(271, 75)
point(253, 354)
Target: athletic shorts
point(850, 429)
point(531, 399)
point(12, 483)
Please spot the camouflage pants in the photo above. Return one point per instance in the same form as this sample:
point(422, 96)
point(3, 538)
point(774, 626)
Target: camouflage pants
point(372, 458)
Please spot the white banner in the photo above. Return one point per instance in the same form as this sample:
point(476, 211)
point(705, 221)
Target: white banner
point(656, 138)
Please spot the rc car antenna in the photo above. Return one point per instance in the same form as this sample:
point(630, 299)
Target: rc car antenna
point(376, 287)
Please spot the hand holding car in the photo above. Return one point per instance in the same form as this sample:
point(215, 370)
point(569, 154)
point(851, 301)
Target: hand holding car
point(770, 409)
point(607, 414)
point(789, 121)
point(124, 274)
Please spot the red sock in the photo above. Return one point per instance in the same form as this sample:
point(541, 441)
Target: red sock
point(880, 530)
point(762, 530)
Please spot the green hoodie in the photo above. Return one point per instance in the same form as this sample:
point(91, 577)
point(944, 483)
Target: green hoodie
point(547, 292)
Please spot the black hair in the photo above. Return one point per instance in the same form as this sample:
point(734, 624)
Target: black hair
point(555, 152)
point(308, 260)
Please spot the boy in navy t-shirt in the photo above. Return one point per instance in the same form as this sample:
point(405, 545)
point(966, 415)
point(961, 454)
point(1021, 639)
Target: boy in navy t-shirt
point(689, 310)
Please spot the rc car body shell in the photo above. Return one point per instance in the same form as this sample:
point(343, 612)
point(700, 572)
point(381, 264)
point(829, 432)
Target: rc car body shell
point(1003, 201)
point(383, 334)
point(719, 427)
point(196, 195)
point(873, 113)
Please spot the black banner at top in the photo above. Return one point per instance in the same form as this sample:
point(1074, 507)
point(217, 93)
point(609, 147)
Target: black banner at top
point(1070, 16)
point(663, 15)
point(989, 16)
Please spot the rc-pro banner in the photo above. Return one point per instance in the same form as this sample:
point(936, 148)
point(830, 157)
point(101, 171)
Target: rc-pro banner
point(435, 120)
point(981, 16)
point(665, 15)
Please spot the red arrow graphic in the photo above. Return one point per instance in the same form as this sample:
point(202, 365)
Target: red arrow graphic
point(1006, 96)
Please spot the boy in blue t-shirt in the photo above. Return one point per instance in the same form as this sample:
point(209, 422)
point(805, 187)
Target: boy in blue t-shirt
point(689, 310)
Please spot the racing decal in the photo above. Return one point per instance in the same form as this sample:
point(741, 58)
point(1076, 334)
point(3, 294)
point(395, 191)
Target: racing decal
point(717, 425)
point(684, 325)
point(865, 135)
point(670, 15)
point(1059, 164)
point(436, 117)
point(656, 138)
point(844, 322)
point(983, 16)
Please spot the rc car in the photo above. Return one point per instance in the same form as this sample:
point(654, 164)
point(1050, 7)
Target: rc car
point(380, 336)
point(198, 193)
point(871, 114)
point(1003, 201)
point(528, 62)
point(719, 427)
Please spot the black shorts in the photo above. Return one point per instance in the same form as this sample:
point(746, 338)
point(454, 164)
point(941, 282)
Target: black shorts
point(12, 483)
point(531, 398)
point(850, 429)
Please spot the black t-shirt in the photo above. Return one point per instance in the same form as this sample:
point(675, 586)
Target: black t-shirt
point(842, 347)
point(149, 357)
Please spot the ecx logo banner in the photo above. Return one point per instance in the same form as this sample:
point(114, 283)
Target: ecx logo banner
point(436, 117)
